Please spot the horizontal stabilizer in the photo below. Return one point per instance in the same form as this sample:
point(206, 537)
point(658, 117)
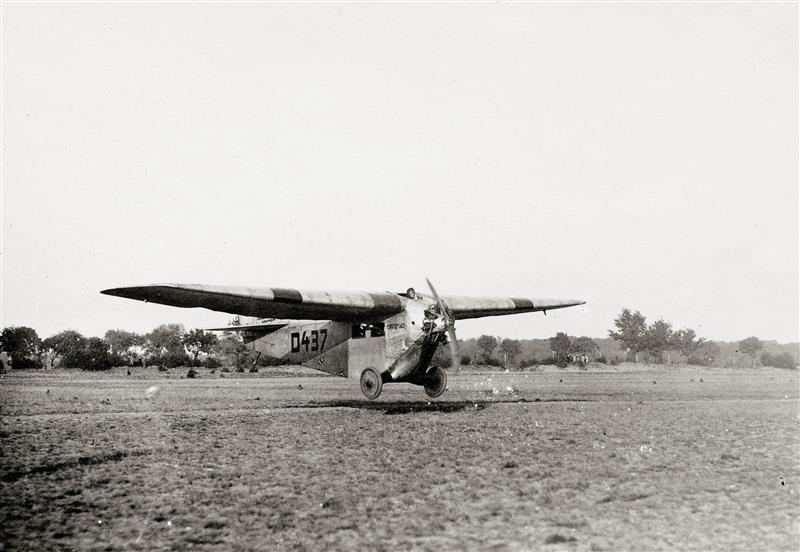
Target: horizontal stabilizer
point(269, 328)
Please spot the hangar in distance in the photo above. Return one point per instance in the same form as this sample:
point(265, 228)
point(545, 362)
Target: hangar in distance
point(377, 338)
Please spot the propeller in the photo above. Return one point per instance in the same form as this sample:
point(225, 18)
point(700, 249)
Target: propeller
point(450, 326)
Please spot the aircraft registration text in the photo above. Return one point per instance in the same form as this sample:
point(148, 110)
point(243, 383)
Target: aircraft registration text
point(311, 341)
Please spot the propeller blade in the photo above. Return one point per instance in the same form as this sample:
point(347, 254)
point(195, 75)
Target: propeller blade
point(449, 326)
point(454, 348)
point(439, 303)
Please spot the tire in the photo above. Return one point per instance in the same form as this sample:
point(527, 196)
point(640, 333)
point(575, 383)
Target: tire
point(371, 384)
point(435, 382)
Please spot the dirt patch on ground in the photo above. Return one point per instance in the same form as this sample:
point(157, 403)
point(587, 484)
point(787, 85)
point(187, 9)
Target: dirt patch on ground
point(578, 461)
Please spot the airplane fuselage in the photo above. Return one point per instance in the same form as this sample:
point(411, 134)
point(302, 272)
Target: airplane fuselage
point(393, 346)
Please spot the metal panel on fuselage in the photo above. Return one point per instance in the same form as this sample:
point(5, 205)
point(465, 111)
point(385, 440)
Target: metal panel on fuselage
point(398, 338)
point(366, 352)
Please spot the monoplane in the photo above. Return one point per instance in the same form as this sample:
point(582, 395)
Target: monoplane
point(377, 338)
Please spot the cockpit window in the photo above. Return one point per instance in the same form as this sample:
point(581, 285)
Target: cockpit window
point(368, 330)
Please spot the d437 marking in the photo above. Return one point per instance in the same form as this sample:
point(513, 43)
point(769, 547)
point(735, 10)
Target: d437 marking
point(311, 341)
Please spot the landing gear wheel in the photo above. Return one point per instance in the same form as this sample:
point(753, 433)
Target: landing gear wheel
point(435, 382)
point(371, 384)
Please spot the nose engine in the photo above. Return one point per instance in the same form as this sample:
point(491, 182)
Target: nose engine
point(433, 321)
point(436, 325)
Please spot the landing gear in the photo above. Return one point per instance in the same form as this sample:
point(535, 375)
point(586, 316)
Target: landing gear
point(435, 382)
point(371, 384)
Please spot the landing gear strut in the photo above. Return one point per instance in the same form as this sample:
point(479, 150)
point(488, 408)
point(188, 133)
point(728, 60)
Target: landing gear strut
point(371, 384)
point(435, 382)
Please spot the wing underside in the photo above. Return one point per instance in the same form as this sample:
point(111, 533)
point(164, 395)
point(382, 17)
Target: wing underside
point(269, 302)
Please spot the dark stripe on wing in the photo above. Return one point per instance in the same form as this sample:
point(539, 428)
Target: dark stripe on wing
point(388, 301)
point(522, 303)
point(286, 295)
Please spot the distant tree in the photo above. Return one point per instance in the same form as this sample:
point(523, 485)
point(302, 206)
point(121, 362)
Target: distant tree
point(686, 341)
point(705, 354)
point(166, 337)
point(487, 344)
point(22, 345)
point(232, 348)
point(658, 338)
point(198, 341)
point(561, 346)
point(442, 357)
point(165, 346)
point(76, 351)
point(585, 345)
point(96, 355)
point(782, 360)
point(68, 346)
point(632, 327)
point(751, 346)
point(512, 348)
point(48, 352)
point(127, 346)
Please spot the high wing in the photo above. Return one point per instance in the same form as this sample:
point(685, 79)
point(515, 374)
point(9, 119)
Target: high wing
point(478, 307)
point(269, 302)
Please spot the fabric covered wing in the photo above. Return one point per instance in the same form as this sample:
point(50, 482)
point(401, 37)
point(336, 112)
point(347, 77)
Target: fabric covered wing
point(269, 302)
point(477, 307)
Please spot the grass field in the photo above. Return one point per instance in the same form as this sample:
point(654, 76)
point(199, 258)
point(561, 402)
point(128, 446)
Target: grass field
point(678, 459)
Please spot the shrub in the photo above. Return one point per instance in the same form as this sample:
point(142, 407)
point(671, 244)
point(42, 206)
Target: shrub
point(465, 360)
point(493, 362)
point(25, 363)
point(614, 361)
point(783, 360)
point(528, 362)
point(602, 359)
point(191, 373)
point(174, 359)
point(442, 357)
point(211, 362)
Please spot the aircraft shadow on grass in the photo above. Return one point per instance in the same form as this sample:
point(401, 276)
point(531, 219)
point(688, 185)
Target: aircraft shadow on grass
point(399, 407)
point(412, 407)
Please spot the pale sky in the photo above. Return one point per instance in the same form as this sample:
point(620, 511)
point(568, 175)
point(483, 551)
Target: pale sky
point(640, 155)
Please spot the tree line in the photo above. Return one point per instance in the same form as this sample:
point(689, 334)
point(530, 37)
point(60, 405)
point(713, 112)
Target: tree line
point(560, 349)
point(632, 339)
point(658, 339)
point(170, 345)
point(166, 346)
